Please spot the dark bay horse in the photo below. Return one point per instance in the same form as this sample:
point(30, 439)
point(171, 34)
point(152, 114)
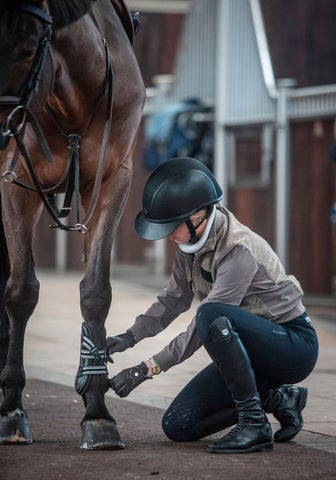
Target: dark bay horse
point(71, 100)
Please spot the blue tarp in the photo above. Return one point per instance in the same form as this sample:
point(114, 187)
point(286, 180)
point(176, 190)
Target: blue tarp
point(172, 132)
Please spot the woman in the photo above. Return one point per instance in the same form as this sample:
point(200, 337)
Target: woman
point(251, 319)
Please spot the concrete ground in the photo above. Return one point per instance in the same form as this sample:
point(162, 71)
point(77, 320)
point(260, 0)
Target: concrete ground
point(52, 355)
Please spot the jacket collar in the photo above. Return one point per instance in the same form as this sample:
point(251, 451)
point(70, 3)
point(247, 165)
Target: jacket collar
point(221, 221)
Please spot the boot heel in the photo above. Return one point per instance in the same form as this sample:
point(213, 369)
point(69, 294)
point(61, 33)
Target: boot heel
point(303, 397)
point(266, 447)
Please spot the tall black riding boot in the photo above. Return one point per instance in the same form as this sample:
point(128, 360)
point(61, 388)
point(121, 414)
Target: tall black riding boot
point(286, 403)
point(253, 431)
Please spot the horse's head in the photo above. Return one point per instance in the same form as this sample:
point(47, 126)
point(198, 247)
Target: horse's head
point(25, 33)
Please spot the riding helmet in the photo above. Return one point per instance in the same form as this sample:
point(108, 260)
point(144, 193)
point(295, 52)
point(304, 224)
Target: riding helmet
point(176, 190)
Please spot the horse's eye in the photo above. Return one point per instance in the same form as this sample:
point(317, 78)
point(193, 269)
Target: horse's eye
point(26, 53)
point(25, 49)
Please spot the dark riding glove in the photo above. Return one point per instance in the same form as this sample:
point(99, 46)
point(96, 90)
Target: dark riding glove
point(120, 342)
point(128, 379)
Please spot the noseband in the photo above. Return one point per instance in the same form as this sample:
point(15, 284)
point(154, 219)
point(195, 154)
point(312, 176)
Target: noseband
point(13, 126)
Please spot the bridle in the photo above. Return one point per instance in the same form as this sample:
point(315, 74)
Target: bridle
point(21, 103)
point(31, 85)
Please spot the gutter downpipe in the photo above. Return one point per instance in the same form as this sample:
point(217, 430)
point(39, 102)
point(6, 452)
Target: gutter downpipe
point(282, 172)
point(280, 93)
point(221, 163)
point(263, 50)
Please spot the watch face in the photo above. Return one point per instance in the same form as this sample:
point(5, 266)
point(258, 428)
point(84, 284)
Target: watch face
point(156, 369)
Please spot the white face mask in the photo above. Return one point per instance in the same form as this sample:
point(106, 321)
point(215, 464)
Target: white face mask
point(194, 247)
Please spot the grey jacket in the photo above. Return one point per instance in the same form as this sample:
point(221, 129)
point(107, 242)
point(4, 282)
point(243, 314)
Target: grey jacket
point(235, 266)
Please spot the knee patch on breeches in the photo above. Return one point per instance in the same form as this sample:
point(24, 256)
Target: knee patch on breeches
point(210, 314)
point(221, 329)
point(180, 423)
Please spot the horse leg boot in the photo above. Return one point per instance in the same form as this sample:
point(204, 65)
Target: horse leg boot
point(253, 431)
point(286, 403)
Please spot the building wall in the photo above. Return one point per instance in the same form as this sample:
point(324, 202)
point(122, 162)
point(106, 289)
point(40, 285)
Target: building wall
point(300, 36)
point(313, 191)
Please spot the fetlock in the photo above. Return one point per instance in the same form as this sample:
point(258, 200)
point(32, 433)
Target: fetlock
point(286, 404)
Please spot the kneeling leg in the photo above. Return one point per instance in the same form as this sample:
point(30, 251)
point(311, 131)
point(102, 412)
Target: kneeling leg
point(202, 408)
point(253, 431)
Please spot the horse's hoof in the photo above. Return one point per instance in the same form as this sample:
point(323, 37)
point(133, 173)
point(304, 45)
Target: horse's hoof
point(14, 430)
point(100, 435)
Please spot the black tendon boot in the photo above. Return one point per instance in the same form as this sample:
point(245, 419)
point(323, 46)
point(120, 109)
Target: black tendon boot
point(286, 403)
point(253, 431)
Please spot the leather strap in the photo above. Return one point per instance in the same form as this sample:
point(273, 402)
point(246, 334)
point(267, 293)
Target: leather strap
point(38, 12)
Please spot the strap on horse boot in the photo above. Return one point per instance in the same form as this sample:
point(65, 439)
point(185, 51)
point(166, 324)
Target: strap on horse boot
point(253, 431)
point(92, 362)
point(286, 403)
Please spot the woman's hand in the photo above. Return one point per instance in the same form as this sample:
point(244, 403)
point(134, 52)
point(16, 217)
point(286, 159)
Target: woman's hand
point(128, 379)
point(120, 343)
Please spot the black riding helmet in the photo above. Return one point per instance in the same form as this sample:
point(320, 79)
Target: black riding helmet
point(176, 190)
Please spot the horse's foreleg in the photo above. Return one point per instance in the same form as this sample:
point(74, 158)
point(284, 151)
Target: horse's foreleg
point(4, 274)
point(20, 298)
point(98, 427)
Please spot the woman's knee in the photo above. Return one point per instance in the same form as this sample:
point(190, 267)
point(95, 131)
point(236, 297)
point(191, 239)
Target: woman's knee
point(172, 430)
point(206, 314)
point(178, 426)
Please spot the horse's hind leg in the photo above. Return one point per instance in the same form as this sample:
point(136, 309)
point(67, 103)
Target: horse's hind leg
point(21, 295)
point(99, 429)
point(4, 274)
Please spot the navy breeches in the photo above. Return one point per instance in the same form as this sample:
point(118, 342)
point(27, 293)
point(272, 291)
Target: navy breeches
point(279, 354)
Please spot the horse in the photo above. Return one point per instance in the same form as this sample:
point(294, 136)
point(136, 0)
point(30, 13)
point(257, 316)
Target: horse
point(71, 102)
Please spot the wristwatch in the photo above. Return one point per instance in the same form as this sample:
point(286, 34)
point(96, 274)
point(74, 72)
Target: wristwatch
point(156, 369)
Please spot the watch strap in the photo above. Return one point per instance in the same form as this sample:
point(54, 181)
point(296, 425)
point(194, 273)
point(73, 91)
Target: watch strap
point(156, 369)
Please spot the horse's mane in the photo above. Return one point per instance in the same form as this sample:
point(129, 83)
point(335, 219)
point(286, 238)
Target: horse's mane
point(63, 12)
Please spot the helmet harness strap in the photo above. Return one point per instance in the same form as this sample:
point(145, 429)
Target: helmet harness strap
point(192, 228)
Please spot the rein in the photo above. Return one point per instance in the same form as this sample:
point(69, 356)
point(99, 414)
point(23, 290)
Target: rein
point(22, 103)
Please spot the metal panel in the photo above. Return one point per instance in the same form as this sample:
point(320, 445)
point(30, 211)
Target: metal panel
point(264, 53)
point(159, 6)
point(196, 61)
point(249, 95)
point(246, 97)
point(312, 102)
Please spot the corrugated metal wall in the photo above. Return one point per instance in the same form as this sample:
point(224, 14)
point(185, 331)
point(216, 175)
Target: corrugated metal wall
point(314, 102)
point(247, 99)
point(195, 72)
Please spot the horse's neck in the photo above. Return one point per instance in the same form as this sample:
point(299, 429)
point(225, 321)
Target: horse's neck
point(80, 65)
